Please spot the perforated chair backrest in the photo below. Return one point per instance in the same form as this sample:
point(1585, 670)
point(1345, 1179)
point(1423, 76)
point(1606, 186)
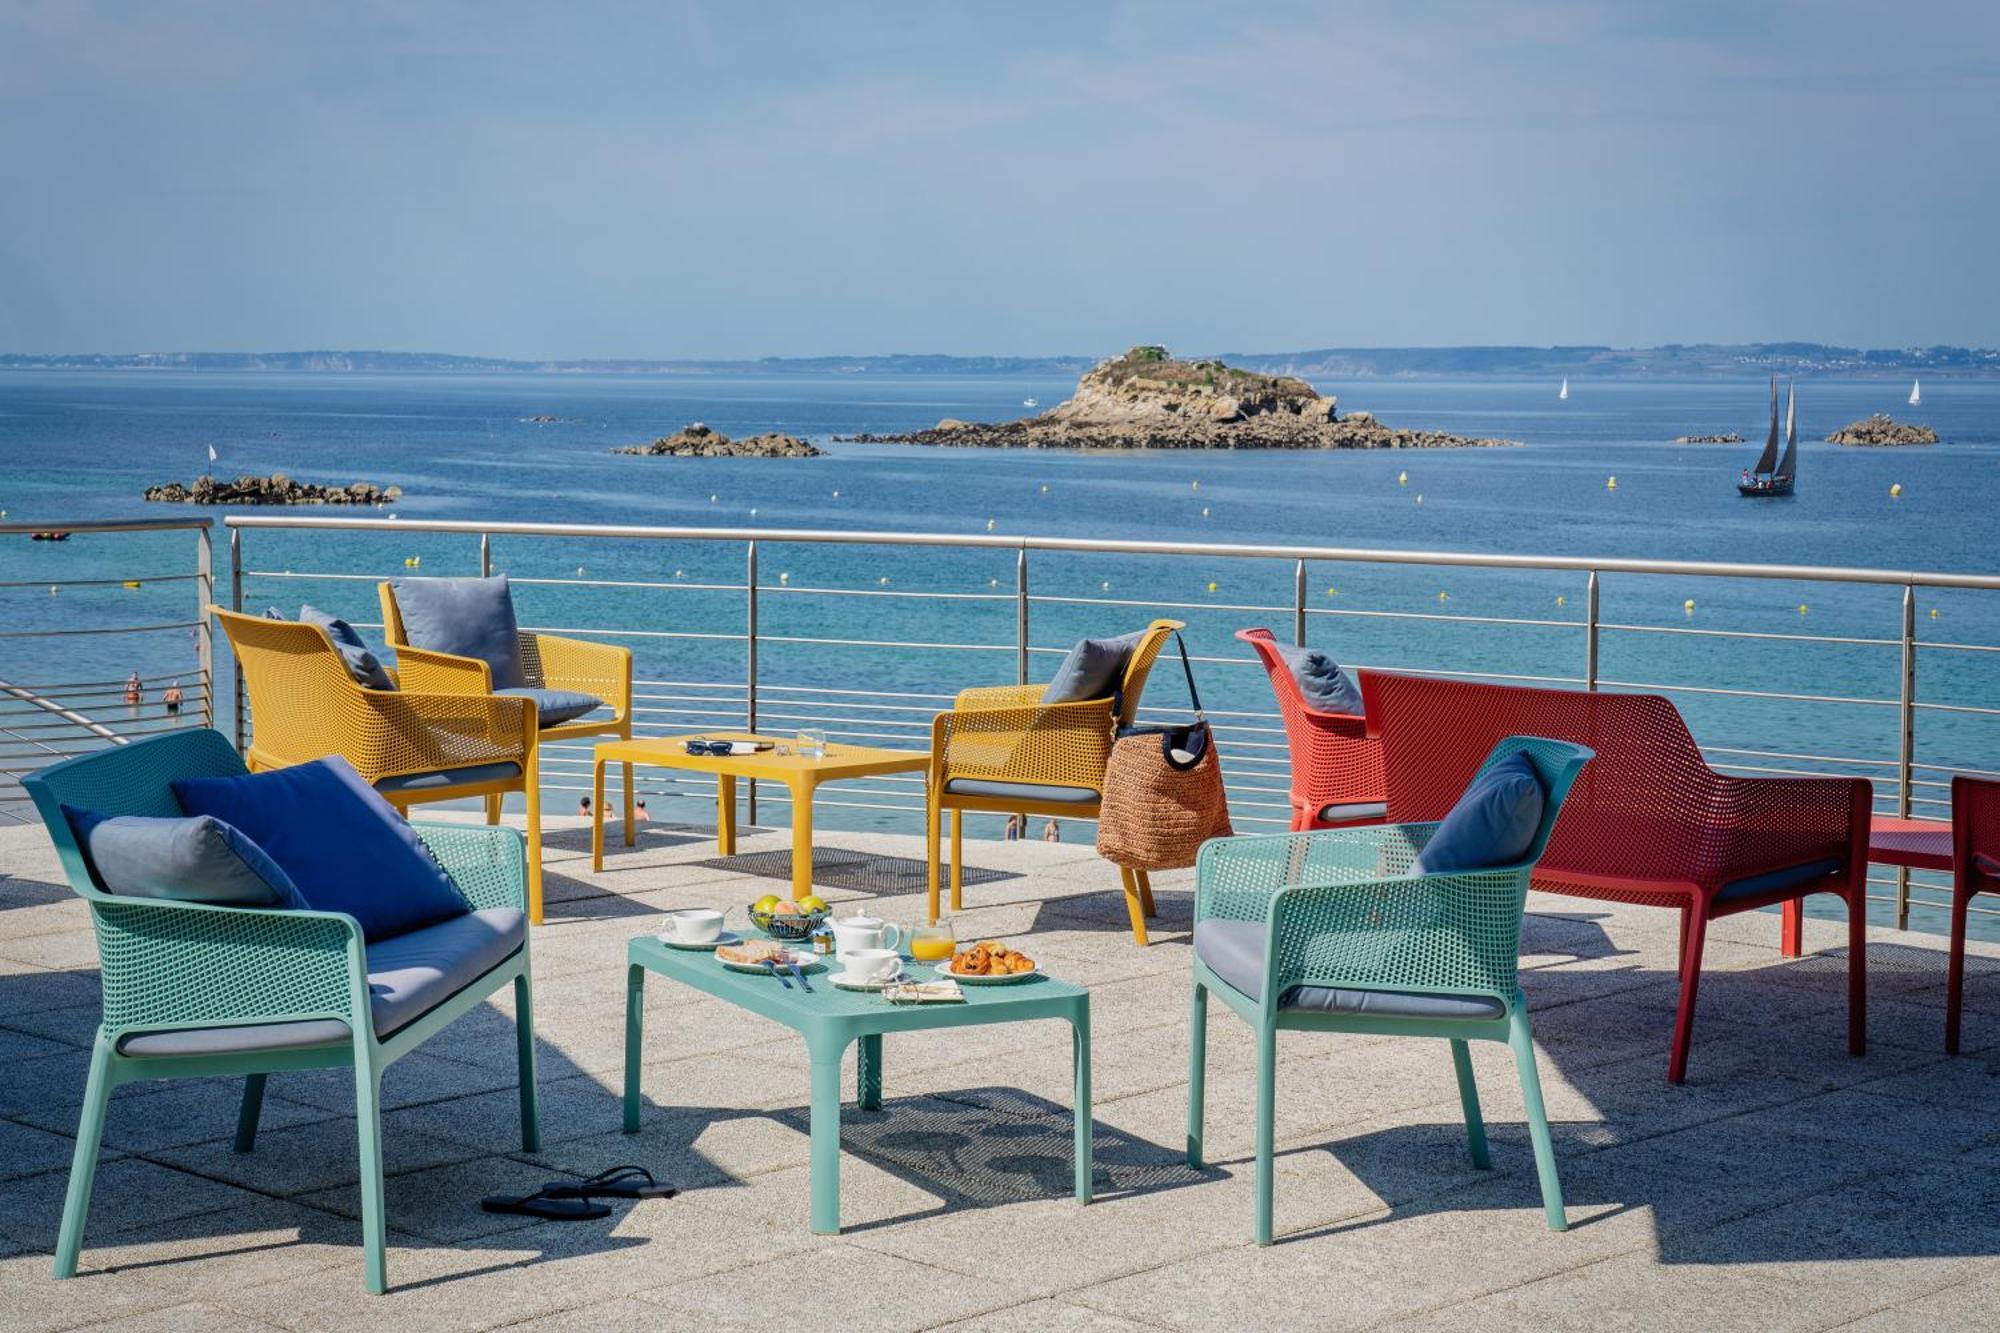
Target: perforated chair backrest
point(133, 779)
point(1334, 759)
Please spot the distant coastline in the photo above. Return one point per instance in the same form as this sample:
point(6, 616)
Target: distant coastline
point(1671, 361)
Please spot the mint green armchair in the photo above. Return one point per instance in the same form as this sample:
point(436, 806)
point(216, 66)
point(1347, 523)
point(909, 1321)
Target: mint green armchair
point(1328, 931)
point(194, 989)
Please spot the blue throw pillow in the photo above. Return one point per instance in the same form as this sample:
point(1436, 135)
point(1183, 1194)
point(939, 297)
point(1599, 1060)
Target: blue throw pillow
point(1093, 669)
point(191, 860)
point(467, 618)
point(345, 848)
point(1327, 689)
point(362, 664)
point(1493, 823)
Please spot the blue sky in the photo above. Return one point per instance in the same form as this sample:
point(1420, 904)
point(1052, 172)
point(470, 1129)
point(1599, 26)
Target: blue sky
point(662, 179)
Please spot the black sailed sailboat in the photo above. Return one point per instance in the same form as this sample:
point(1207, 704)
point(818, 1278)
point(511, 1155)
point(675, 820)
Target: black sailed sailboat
point(1774, 476)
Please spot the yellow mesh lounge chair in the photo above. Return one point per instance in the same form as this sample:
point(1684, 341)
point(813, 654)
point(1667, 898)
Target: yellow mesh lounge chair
point(413, 746)
point(1001, 750)
point(602, 670)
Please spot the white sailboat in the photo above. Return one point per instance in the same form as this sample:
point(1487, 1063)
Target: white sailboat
point(1031, 402)
point(1916, 393)
point(1562, 395)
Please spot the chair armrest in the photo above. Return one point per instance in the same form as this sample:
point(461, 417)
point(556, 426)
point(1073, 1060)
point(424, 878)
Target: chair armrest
point(426, 672)
point(1753, 825)
point(603, 670)
point(1239, 877)
point(1000, 696)
point(175, 964)
point(386, 733)
point(490, 865)
point(1058, 745)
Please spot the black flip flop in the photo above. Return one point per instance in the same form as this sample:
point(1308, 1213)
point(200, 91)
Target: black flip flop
point(620, 1182)
point(549, 1207)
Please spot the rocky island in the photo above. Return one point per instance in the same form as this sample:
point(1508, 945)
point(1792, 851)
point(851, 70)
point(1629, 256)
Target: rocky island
point(276, 489)
point(1729, 438)
point(1881, 429)
point(1146, 399)
point(700, 441)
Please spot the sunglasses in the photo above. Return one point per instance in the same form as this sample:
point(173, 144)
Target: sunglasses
point(720, 748)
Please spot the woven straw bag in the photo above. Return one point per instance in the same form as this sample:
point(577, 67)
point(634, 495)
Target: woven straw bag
point(1163, 794)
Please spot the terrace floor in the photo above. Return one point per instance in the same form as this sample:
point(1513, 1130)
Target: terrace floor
point(1786, 1185)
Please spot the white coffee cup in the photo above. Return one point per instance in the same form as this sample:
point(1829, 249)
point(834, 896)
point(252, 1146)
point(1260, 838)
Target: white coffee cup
point(862, 932)
point(696, 925)
point(871, 965)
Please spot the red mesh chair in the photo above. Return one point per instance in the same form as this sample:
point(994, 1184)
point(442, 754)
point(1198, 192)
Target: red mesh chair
point(1336, 764)
point(1648, 822)
point(1975, 861)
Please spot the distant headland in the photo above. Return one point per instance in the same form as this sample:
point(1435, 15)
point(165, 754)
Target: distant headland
point(1146, 399)
point(1672, 360)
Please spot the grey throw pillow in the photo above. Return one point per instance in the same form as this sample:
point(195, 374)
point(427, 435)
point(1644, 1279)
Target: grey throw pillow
point(1327, 689)
point(1093, 669)
point(467, 618)
point(362, 664)
point(199, 859)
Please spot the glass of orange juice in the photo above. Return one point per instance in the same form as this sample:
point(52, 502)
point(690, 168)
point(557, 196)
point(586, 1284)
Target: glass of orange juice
point(933, 944)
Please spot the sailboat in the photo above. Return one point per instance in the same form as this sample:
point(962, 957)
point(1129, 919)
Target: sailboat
point(1916, 393)
point(1562, 395)
point(1773, 476)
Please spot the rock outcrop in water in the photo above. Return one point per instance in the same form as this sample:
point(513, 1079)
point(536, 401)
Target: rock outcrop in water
point(1882, 429)
point(276, 489)
point(699, 441)
point(1730, 438)
point(1146, 399)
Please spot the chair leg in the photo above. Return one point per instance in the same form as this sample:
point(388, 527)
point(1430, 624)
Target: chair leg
point(534, 795)
point(1857, 972)
point(524, 1037)
point(1197, 1072)
point(368, 1116)
point(958, 860)
point(1954, 981)
point(83, 1164)
point(1697, 934)
point(493, 808)
point(631, 803)
point(253, 1108)
point(1523, 1044)
point(1134, 906)
point(1267, 1109)
point(1468, 1096)
point(1146, 892)
point(932, 816)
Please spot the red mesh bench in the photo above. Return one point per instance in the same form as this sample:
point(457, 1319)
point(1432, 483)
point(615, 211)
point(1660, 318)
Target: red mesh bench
point(1336, 764)
point(1648, 822)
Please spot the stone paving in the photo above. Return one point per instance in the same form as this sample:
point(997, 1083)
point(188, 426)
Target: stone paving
point(1786, 1185)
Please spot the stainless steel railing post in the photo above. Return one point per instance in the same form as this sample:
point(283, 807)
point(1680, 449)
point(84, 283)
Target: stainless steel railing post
point(1590, 632)
point(750, 664)
point(485, 555)
point(1299, 603)
point(1021, 617)
point(1906, 749)
point(236, 604)
point(204, 635)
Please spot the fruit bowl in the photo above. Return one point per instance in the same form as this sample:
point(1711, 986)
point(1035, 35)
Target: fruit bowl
point(788, 925)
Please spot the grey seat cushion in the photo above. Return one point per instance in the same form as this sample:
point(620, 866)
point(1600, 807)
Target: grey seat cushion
point(196, 859)
point(447, 777)
point(1234, 951)
point(1020, 791)
point(1354, 814)
point(465, 617)
point(408, 976)
point(555, 707)
point(1772, 880)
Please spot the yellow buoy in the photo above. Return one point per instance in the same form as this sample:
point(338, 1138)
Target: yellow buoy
point(1561, 600)
point(1896, 491)
point(1211, 585)
point(1688, 606)
point(1104, 586)
point(1611, 483)
point(1934, 613)
point(784, 577)
point(884, 580)
point(1802, 608)
point(680, 573)
point(1402, 478)
point(1045, 488)
point(131, 583)
point(1444, 597)
point(993, 583)
point(990, 524)
point(1332, 592)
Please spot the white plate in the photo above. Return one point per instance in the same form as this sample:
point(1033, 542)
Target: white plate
point(726, 937)
point(942, 972)
point(807, 961)
point(841, 980)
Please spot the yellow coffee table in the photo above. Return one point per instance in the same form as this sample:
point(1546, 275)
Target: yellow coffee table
point(799, 774)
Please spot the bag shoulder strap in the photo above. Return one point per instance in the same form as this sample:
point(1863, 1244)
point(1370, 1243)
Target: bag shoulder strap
point(1194, 695)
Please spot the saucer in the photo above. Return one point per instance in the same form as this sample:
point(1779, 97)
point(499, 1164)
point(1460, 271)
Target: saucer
point(726, 937)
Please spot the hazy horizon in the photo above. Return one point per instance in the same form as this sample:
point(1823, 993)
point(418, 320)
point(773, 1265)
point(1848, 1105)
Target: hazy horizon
point(696, 181)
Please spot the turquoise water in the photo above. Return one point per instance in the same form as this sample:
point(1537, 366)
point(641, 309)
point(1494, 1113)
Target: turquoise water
point(84, 445)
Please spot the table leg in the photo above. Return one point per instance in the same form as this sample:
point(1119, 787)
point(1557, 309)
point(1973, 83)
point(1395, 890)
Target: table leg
point(631, 800)
point(1080, 1027)
point(868, 1073)
point(802, 840)
point(597, 815)
point(1792, 930)
point(725, 814)
point(826, 1139)
point(635, 1018)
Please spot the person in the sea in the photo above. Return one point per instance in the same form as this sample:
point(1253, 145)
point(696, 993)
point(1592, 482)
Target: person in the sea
point(1017, 827)
point(1051, 832)
point(135, 689)
point(172, 698)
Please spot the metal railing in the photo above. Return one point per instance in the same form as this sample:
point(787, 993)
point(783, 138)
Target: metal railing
point(733, 684)
point(57, 699)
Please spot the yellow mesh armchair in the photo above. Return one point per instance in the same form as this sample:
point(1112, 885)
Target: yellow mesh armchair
point(552, 664)
point(1001, 750)
point(413, 746)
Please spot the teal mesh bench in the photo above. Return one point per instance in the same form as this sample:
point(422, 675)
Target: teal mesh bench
point(195, 989)
point(1329, 932)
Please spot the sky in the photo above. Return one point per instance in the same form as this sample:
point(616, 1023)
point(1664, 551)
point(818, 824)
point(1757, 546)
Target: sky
point(660, 179)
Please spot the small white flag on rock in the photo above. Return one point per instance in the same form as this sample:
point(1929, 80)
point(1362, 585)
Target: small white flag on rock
point(211, 453)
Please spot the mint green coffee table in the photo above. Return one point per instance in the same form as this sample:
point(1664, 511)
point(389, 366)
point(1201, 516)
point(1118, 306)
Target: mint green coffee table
point(829, 1018)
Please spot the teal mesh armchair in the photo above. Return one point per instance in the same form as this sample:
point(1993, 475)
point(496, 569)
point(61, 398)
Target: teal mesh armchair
point(1328, 931)
point(195, 989)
